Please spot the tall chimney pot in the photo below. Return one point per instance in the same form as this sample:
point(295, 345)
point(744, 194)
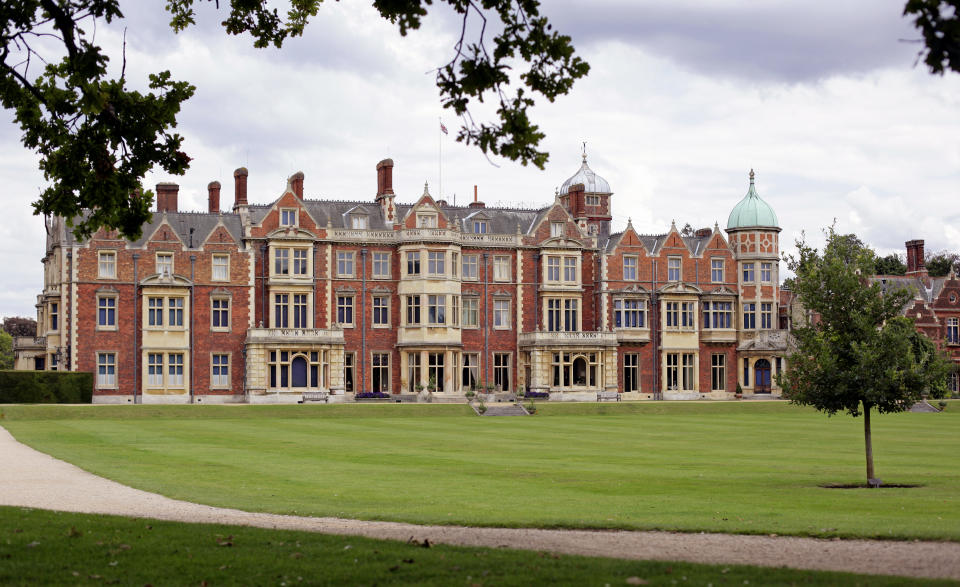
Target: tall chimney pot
point(213, 197)
point(240, 187)
point(476, 203)
point(167, 196)
point(385, 178)
point(296, 183)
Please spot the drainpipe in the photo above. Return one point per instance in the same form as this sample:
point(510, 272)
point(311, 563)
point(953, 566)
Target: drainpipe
point(363, 321)
point(193, 262)
point(655, 333)
point(67, 312)
point(316, 248)
point(486, 324)
point(263, 285)
point(536, 292)
point(136, 326)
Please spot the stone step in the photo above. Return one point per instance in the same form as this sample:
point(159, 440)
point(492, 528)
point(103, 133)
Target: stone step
point(505, 410)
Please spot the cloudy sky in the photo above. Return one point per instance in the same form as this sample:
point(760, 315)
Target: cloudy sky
point(683, 98)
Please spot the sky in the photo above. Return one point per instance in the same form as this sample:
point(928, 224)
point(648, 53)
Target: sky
point(824, 100)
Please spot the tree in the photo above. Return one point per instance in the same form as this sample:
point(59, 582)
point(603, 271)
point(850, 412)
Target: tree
point(939, 23)
point(940, 264)
point(6, 351)
point(20, 326)
point(892, 264)
point(97, 139)
point(862, 356)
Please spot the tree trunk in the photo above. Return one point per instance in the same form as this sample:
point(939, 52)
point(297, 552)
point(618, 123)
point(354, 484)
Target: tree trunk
point(868, 443)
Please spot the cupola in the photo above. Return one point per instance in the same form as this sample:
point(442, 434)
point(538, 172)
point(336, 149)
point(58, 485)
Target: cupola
point(752, 212)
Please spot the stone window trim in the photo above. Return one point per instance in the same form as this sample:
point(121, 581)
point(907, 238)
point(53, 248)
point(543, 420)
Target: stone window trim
point(104, 321)
point(107, 264)
point(345, 264)
point(717, 274)
point(214, 265)
point(674, 269)
point(470, 310)
point(289, 217)
point(501, 313)
point(165, 259)
point(626, 316)
point(106, 359)
point(592, 200)
point(377, 295)
point(381, 261)
point(502, 270)
point(218, 299)
point(181, 309)
point(345, 306)
point(631, 264)
point(229, 368)
point(382, 360)
point(557, 229)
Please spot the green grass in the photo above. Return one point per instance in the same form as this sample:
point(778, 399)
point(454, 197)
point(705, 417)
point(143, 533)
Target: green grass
point(739, 467)
point(51, 548)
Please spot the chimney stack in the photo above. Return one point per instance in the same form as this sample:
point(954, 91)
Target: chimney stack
point(240, 187)
point(476, 203)
point(576, 203)
point(915, 262)
point(296, 184)
point(213, 197)
point(385, 178)
point(167, 196)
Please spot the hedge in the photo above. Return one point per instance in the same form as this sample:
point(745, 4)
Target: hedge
point(45, 387)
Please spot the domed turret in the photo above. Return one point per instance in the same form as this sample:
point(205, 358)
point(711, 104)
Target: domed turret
point(586, 196)
point(752, 212)
point(592, 183)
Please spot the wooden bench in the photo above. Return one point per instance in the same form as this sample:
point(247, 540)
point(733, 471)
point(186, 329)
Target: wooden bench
point(314, 396)
point(611, 395)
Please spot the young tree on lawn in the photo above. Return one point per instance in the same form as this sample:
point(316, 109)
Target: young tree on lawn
point(6, 350)
point(862, 356)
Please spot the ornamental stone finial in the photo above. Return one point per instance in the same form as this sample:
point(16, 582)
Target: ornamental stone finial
point(751, 175)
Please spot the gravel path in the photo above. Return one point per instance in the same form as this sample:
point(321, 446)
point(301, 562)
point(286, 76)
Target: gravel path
point(33, 479)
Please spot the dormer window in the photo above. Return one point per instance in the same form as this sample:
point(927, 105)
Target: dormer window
point(593, 200)
point(480, 226)
point(358, 222)
point(165, 264)
point(426, 221)
point(556, 229)
point(288, 217)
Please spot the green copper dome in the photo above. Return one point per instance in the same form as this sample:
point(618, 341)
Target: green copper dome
point(752, 212)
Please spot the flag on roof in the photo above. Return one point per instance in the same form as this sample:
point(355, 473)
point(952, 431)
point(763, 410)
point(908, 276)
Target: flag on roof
point(443, 128)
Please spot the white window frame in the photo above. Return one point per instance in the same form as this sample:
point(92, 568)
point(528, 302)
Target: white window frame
point(631, 365)
point(359, 222)
point(220, 267)
point(436, 263)
point(479, 226)
point(716, 272)
point(426, 220)
point(300, 258)
point(629, 313)
point(106, 310)
point(552, 268)
point(106, 370)
point(165, 260)
point(766, 272)
point(674, 269)
point(471, 267)
point(953, 331)
point(413, 310)
point(749, 275)
point(346, 308)
point(413, 262)
point(718, 372)
point(715, 312)
point(630, 264)
point(380, 311)
point(221, 379)
point(220, 311)
point(175, 371)
point(345, 263)
point(155, 370)
point(436, 310)
point(281, 261)
point(556, 229)
point(289, 217)
point(592, 200)
point(501, 268)
point(471, 312)
point(107, 265)
point(381, 265)
point(501, 314)
point(380, 361)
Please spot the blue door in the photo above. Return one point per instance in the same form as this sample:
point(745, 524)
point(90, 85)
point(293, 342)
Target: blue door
point(762, 382)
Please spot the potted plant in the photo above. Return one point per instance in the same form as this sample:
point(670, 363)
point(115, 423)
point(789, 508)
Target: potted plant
point(739, 393)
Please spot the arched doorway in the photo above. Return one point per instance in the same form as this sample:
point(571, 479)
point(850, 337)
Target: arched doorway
point(299, 371)
point(762, 381)
point(580, 371)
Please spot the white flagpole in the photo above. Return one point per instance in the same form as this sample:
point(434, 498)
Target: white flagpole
point(440, 157)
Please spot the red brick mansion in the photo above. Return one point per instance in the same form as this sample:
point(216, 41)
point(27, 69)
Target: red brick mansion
point(271, 300)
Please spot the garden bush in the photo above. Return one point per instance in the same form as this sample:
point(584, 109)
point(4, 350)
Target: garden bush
point(45, 387)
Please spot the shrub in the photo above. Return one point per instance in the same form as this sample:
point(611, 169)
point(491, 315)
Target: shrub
point(45, 387)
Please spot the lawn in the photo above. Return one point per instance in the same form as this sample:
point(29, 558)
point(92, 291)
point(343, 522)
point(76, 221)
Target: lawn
point(740, 467)
point(52, 548)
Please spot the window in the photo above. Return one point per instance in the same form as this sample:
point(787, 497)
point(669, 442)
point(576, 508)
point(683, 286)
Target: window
point(953, 330)
point(435, 370)
point(470, 313)
point(501, 268)
point(716, 270)
point(953, 383)
point(570, 269)
point(748, 273)
point(413, 310)
point(106, 312)
point(553, 268)
point(435, 262)
point(673, 268)
point(288, 217)
point(501, 371)
point(220, 377)
point(281, 310)
point(345, 310)
point(155, 311)
point(629, 313)
point(220, 314)
point(426, 221)
point(381, 311)
point(455, 310)
point(348, 364)
point(281, 261)
point(358, 222)
point(501, 313)
point(556, 229)
point(717, 315)
point(344, 264)
point(576, 370)
point(570, 322)
point(54, 316)
point(220, 268)
point(155, 369)
point(175, 370)
point(381, 265)
point(454, 263)
point(766, 315)
point(300, 311)
point(299, 368)
point(414, 366)
point(165, 263)
point(749, 316)
point(631, 372)
point(470, 266)
point(413, 263)
point(765, 272)
point(680, 315)
point(436, 309)
point(593, 200)
point(630, 268)
point(553, 315)
point(480, 226)
point(380, 363)
point(470, 372)
point(746, 372)
point(680, 369)
point(175, 307)
point(672, 314)
point(718, 372)
point(299, 261)
point(686, 315)
point(107, 265)
point(106, 369)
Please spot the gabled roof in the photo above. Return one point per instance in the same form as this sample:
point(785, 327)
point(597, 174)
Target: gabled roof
point(202, 223)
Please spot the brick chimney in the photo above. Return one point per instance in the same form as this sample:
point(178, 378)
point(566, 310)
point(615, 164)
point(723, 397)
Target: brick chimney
point(213, 197)
point(476, 203)
point(240, 187)
point(915, 263)
point(167, 196)
point(296, 184)
point(385, 178)
point(576, 204)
